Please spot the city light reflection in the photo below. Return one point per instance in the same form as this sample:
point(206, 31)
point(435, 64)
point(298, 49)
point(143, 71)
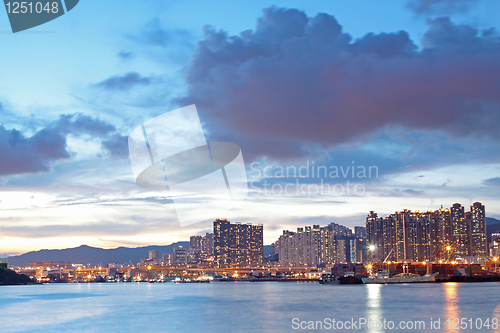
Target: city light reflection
point(451, 303)
point(373, 304)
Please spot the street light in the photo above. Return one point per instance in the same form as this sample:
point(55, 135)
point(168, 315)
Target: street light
point(372, 249)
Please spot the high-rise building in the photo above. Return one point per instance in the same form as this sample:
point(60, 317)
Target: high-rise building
point(167, 259)
point(478, 229)
point(360, 232)
point(238, 244)
point(153, 255)
point(312, 246)
point(495, 245)
point(180, 255)
point(207, 245)
point(195, 244)
point(375, 236)
point(444, 234)
point(344, 252)
point(460, 226)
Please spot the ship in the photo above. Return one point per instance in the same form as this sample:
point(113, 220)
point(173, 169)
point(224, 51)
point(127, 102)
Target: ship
point(384, 278)
point(329, 279)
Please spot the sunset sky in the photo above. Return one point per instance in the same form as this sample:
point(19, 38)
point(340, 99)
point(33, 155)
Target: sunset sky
point(411, 88)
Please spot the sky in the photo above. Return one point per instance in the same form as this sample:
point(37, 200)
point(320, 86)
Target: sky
point(405, 93)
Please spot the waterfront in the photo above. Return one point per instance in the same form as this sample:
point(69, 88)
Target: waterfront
point(236, 307)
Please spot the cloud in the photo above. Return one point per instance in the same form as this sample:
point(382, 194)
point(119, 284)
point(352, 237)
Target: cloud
point(116, 145)
point(124, 82)
point(174, 45)
point(301, 83)
point(440, 7)
point(126, 55)
point(78, 124)
point(21, 154)
point(494, 182)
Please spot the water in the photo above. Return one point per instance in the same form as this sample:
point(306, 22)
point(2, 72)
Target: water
point(240, 307)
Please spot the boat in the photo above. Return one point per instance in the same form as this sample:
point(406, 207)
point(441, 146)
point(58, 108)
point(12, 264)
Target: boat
point(329, 279)
point(384, 278)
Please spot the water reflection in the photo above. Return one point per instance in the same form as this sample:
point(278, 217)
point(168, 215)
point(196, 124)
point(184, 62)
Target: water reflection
point(451, 302)
point(373, 304)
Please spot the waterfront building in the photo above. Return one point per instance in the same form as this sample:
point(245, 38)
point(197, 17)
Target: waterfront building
point(312, 246)
point(360, 232)
point(154, 255)
point(478, 229)
point(444, 234)
point(460, 225)
point(237, 243)
point(207, 245)
point(495, 244)
point(51, 264)
point(375, 236)
point(167, 259)
point(180, 255)
point(195, 244)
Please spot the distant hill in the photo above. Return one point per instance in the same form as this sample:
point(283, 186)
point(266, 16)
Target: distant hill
point(93, 256)
point(491, 220)
point(8, 277)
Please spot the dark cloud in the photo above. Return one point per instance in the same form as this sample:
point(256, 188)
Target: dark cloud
point(494, 182)
point(78, 124)
point(153, 34)
point(169, 46)
point(21, 154)
point(440, 6)
point(300, 82)
point(116, 145)
point(125, 55)
point(124, 82)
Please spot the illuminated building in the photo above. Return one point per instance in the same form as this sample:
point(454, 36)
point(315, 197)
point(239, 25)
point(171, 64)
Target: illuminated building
point(207, 245)
point(444, 234)
point(460, 226)
point(311, 246)
point(375, 235)
point(478, 229)
point(238, 244)
point(153, 255)
point(195, 244)
point(180, 255)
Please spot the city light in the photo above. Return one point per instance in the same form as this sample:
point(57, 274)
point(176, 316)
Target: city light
point(372, 248)
point(448, 248)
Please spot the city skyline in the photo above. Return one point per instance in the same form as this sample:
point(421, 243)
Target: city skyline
point(410, 92)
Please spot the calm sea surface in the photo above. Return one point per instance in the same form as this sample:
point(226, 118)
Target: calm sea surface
point(244, 307)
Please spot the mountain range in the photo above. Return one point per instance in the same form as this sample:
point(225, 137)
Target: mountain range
point(94, 256)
